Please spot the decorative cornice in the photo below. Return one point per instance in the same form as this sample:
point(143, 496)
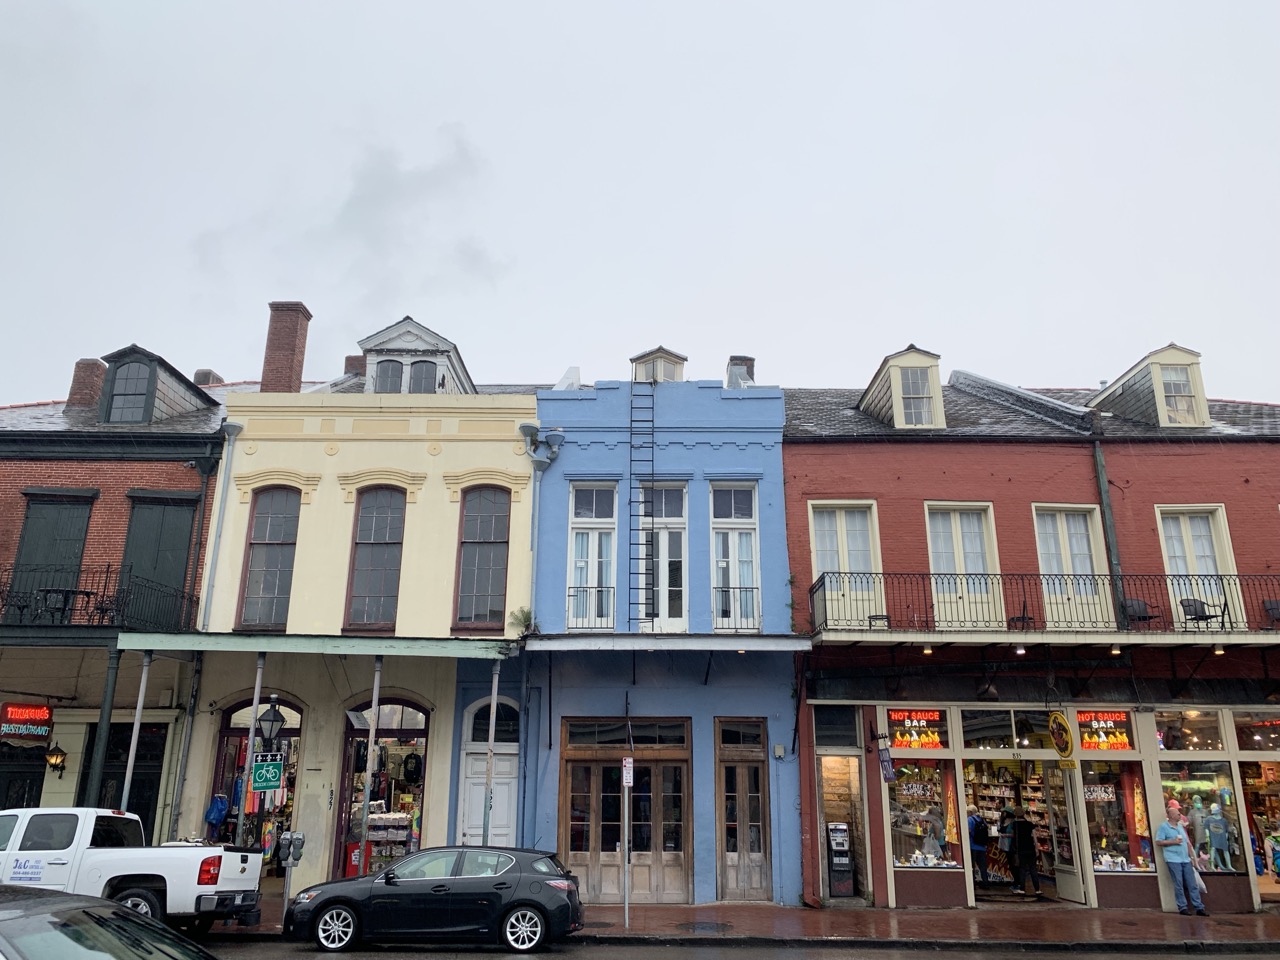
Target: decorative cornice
point(410, 483)
point(491, 476)
point(305, 483)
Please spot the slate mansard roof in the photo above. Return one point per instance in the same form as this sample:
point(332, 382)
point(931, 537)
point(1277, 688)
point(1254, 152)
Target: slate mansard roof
point(981, 408)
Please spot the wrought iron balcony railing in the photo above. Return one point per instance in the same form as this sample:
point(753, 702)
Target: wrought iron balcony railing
point(590, 608)
point(106, 595)
point(1033, 601)
point(736, 608)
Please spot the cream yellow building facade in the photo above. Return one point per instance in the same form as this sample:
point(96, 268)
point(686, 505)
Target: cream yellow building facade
point(326, 449)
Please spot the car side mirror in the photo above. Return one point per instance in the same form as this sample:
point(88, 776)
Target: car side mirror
point(389, 878)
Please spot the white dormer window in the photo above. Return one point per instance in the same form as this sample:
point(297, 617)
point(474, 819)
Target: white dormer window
point(1179, 396)
point(917, 399)
point(388, 376)
point(659, 365)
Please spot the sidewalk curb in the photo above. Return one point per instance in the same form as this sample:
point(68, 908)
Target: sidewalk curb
point(1202, 947)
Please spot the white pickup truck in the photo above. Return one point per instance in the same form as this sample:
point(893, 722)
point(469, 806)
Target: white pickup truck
point(103, 853)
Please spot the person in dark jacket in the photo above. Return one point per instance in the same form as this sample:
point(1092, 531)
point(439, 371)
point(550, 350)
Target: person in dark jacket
point(1023, 855)
point(979, 836)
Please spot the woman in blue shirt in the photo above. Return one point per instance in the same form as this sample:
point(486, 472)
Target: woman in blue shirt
point(1172, 836)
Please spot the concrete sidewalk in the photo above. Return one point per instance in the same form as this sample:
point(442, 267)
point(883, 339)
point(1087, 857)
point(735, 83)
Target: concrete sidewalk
point(1033, 926)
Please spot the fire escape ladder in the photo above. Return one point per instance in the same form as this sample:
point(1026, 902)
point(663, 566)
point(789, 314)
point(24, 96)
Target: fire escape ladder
point(640, 542)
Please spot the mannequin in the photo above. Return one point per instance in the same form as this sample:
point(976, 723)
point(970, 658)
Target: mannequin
point(1195, 817)
point(1219, 830)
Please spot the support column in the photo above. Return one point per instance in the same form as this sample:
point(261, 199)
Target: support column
point(93, 786)
point(371, 758)
point(137, 728)
point(249, 753)
point(488, 760)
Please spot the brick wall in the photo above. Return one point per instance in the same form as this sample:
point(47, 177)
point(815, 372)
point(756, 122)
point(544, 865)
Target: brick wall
point(109, 517)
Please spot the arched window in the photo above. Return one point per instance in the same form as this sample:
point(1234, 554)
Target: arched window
point(268, 565)
point(388, 376)
point(505, 730)
point(482, 559)
point(422, 377)
point(375, 564)
point(129, 390)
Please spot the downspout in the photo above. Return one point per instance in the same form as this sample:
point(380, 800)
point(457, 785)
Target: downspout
point(488, 760)
point(1109, 536)
point(180, 779)
point(206, 466)
point(231, 430)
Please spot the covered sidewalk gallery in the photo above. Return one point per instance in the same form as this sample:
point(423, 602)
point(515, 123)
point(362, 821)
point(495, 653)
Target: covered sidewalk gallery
point(363, 730)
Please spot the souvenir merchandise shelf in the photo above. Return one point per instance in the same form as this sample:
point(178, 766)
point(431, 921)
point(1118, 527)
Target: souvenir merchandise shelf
point(389, 836)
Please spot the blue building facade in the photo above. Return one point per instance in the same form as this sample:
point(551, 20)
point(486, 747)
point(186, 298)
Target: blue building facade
point(663, 635)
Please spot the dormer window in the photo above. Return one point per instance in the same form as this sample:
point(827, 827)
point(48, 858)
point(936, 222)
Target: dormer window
point(1179, 396)
point(906, 391)
point(130, 388)
point(658, 366)
point(422, 377)
point(388, 376)
point(917, 399)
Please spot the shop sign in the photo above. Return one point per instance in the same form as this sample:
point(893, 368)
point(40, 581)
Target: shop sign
point(918, 791)
point(916, 729)
point(1105, 729)
point(1060, 734)
point(1100, 792)
point(24, 724)
point(267, 772)
point(887, 770)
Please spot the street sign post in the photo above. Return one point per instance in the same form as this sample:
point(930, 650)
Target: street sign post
point(267, 772)
point(628, 781)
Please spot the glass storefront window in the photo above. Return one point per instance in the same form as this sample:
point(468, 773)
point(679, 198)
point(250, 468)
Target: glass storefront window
point(1259, 730)
point(917, 729)
point(1105, 729)
point(835, 726)
point(925, 821)
point(1117, 815)
point(987, 729)
point(1187, 730)
point(1208, 799)
point(1031, 729)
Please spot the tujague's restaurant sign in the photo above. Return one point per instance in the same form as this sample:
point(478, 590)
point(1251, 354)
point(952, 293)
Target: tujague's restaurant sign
point(25, 724)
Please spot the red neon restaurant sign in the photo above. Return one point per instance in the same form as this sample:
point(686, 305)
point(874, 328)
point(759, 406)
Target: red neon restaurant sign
point(915, 729)
point(25, 722)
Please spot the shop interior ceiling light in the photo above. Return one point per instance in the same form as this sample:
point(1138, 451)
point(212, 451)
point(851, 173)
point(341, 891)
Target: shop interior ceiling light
point(1020, 650)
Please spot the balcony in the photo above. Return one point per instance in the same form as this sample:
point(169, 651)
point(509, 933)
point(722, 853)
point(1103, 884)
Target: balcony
point(736, 609)
point(1045, 602)
point(91, 596)
point(590, 608)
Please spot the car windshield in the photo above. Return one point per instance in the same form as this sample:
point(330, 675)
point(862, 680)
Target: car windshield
point(92, 933)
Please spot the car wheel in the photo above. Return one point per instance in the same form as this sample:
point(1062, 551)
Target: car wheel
point(336, 928)
point(523, 930)
point(143, 901)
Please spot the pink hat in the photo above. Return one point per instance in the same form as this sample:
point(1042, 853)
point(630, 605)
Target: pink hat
point(1174, 803)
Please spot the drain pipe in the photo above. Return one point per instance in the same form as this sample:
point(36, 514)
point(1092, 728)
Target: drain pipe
point(1109, 535)
point(488, 760)
point(180, 778)
point(231, 430)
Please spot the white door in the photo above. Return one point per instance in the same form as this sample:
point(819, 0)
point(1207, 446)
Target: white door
point(664, 586)
point(42, 856)
point(1196, 586)
point(736, 605)
point(965, 595)
point(502, 816)
point(852, 595)
point(1074, 598)
point(1060, 795)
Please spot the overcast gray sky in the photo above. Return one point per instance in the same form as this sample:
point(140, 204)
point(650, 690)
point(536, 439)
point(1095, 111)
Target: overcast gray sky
point(1039, 192)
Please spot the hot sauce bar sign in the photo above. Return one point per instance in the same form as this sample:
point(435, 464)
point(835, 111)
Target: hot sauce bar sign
point(1104, 730)
point(915, 729)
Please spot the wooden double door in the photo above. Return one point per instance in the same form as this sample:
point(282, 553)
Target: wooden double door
point(660, 862)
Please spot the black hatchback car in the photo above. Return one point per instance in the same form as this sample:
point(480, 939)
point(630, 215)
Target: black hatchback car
point(519, 898)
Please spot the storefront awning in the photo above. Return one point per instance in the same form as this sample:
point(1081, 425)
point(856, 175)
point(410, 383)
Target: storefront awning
point(687, 642)
point(448, 647)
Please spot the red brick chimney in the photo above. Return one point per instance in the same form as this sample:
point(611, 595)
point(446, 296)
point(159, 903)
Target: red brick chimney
point(354, 364)
point(286, 347)
point(86, 383)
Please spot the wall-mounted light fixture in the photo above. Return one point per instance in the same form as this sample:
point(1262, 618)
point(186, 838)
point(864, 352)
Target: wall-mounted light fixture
point(541, 450)
point(56, 758)
point(1115, 648)
point(1020, 650)
point(1217, 650)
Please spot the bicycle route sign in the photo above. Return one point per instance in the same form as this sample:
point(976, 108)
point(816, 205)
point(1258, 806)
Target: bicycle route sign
point(267, 772)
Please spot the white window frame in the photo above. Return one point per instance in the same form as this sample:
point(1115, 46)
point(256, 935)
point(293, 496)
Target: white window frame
point(937, 416)
point(927, 396)
point(661, 526)
point(1068, 590)
point(854, 598)
point(594, 607)
point(1214, 588)
point(965, 602)
point(1198, 416)
point(743, 609)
